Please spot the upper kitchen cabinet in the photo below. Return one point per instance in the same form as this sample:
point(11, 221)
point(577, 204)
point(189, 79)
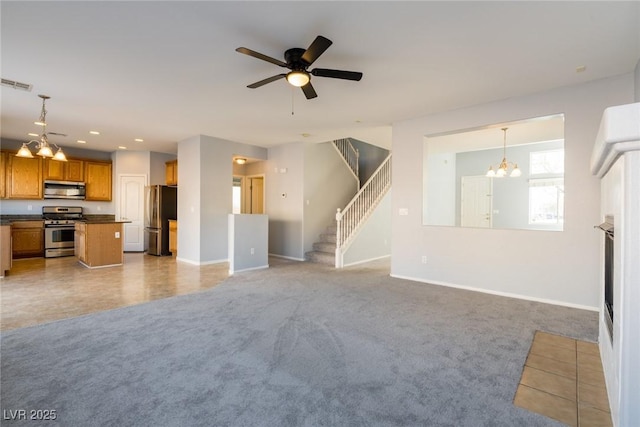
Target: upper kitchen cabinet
point(98, 178)
point(71, 170)
point(23, 177)
point(171, 171)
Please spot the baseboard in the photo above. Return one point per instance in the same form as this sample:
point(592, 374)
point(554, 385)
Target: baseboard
point(262, 267)
point(367, 260)
point(188, 261)
point(287, 257)
point(498, 293)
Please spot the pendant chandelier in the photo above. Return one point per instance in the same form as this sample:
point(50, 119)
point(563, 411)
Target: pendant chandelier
point(42, 145)
point(503, 167)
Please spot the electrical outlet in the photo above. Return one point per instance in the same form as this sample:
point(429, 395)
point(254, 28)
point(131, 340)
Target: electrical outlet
point(117, 234)
point(29, 207)
point(424, 259)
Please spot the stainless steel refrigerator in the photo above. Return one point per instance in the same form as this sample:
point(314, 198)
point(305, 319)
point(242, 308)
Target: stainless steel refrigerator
point(162, 205)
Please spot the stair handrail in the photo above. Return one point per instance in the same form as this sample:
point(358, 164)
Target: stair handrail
point(362, 204)
point(350, 155)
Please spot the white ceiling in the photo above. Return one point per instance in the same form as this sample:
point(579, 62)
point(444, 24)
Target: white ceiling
point(166, 71)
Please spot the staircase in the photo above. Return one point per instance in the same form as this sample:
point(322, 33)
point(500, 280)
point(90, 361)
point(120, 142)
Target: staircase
point(336, 238)
point(324, 250)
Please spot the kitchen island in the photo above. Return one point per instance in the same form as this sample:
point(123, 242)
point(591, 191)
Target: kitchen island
point(99, 243)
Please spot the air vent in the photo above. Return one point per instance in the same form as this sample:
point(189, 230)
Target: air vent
point(17, 85)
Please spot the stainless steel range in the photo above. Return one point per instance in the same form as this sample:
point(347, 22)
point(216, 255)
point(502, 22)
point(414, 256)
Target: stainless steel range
point(59, 229)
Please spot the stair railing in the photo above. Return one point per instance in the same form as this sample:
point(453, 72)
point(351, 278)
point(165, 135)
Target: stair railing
point(360, 207)
point(350, 155)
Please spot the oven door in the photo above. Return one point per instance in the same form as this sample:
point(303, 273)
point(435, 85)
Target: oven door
point(59, 241)
point(59, 237)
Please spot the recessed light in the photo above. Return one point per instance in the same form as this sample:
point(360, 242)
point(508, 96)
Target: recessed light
point(39, 123)
point(81, 141)
point(33, 134)
point(139, 140)
point(122, 147)
point(94, 132)
point(581, 68)
point(306, 135)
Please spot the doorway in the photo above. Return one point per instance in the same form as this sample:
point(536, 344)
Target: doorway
point(131, 208)
point(248, 194)
point(476, 200)
point(254, 194)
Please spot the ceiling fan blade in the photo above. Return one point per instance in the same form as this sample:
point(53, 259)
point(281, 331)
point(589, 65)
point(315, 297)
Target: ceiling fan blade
point(317, 48)
point(265, 81)
point(260, 56)
point(337, 74)
point(309, 91)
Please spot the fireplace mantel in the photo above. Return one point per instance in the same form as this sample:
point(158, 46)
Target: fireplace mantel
point(616, 160)
point(619, 132)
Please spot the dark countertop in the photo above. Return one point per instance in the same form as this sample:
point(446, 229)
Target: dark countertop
point(89, 218)
point(102, 221)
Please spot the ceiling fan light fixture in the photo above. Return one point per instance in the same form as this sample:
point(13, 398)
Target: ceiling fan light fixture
point(298, 78)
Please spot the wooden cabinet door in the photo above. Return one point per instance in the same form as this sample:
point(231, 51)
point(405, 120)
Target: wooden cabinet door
point(173, 237)
point(54, 169)
point(98, 179)
point(171, 172)
point(24, 178)
point(3, 175)
point(28, 239)
point(5, 249)
point(71, 170)
point(80, 240)
point(74, 170)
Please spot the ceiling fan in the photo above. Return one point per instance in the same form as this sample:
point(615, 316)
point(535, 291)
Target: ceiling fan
point(298, 60)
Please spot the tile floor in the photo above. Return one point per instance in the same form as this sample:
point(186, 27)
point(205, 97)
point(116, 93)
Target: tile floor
point(40, 290)
point(563, 379)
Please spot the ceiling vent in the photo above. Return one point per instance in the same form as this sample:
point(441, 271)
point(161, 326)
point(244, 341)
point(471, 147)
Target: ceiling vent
point(17, 85)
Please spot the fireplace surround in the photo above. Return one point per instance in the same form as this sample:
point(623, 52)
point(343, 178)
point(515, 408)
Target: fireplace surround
point(616, 161)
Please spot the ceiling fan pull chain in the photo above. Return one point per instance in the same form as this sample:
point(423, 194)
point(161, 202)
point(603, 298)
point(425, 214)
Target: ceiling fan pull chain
point(292, 100)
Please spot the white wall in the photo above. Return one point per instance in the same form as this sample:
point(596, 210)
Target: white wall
point(205, 175)
point(373, 241)
point(248, 242)
point(284, 205)
point(328, 185)
point(559, 267)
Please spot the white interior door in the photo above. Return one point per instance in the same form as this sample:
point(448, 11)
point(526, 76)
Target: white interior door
point(476, 201)
point(132, 209)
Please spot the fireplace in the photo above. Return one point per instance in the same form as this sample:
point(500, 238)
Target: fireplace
point(608, 228)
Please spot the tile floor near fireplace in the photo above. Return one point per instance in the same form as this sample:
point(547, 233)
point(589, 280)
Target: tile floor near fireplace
point(563, 379)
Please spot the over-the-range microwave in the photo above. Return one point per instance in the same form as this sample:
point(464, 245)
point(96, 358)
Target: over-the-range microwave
point(64, 190)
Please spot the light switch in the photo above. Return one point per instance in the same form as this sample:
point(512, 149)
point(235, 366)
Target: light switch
point(403, 211)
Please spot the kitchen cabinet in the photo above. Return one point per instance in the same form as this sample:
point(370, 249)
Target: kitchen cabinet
point(99, 244)
point(98, 180)
point(71, 170)
point(173, 237)
point(171, 172)
point(5, 249)
point(3, 175)
point(24, 177)
point(27, 239)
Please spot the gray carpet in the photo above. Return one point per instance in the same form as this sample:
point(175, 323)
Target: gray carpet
point(296, 345)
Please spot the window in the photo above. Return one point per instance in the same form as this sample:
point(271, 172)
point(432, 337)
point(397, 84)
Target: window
point(237, 195)
point(546, 162)
point(546, 187)
point(546, 201)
